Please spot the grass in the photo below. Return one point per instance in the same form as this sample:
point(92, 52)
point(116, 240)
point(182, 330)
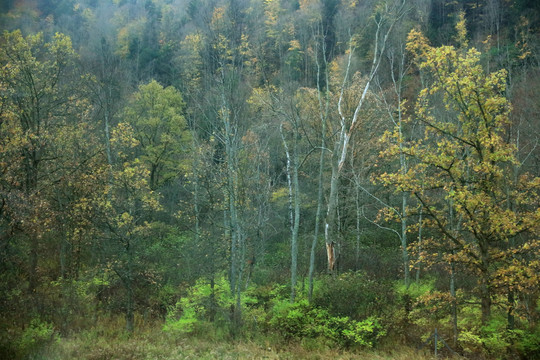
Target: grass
point(144, 348)
point(104, 343)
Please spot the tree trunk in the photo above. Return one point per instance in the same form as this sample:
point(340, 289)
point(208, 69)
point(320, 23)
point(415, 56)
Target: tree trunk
point(420, 225)
point(323, 116)
point(32, 163)
point(358, 231)
point(32, 275)
point(398, 85)
point(511, 318)
point(237, 241)
point(130, 318)
point(485, 295)
point(454, 302)
point(129, 289)
point(317, 220)
point(296, 226)
point(231, 192)
point(404, 251)
point(330, 221)
point(294, 203)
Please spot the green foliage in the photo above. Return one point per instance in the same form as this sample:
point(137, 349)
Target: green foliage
point(415, 290)
point(463, 171)
point(36, 338)
point(421, 309)
point(495, 340)
point(430, 310)
point(73, 300)
point(185, 324)
point(492, 339)
point(352, 294)
point(365, 332)
point(202, 305)
point(527, 343)
point(267, 295)
point(156, 115)
point(300, 320)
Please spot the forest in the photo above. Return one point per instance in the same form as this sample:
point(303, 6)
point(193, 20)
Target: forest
point(280, 179)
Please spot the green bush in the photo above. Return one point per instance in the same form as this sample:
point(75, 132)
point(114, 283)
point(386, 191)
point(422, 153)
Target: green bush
point(365, 333)
point(300, 320)
point(289, 319)
point(182, 318)
point(353, 294)
point(35, 339)
point(414, 290)
point(421, 309)
point(527, 343)
point(204, 308)
point(495, 340)
point(201, 304)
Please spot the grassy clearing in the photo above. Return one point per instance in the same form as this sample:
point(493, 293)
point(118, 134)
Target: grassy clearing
point(152, 343)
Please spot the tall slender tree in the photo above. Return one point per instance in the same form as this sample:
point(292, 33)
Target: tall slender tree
point(385, 18)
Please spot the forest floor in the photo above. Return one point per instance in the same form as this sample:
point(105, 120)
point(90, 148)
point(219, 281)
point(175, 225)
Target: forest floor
point(200, 349)
point(156, 344)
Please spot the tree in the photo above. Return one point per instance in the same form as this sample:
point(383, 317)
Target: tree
point(43, 113)
point(313, 19)
point(393, 103)
point(125, 209)
point(278, 105)
point(385, 18)
point(155, 113)
point(38, 86)
point(231, 61)
point(461, 176)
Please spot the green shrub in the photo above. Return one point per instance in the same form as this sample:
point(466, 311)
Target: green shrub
point(412, 315)
point(415, 290)
point(302, 321)
point(353, 294)
point(36, 338)
point(265, 296)
point(492, 340)
point(495, 340)
point(201, 304)
point(527, 343)
point(365, 333)
point(204, 308)
point(181, 319)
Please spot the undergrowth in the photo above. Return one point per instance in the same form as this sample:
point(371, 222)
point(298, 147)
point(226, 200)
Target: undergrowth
point(104, 343)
